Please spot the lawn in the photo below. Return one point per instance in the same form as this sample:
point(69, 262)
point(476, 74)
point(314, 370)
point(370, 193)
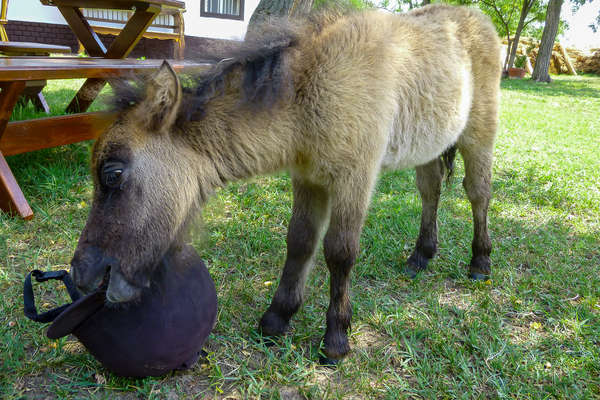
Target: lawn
point(531, 332)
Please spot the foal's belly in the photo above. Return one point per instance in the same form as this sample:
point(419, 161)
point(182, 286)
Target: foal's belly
point(424, 127)
point(407, 149)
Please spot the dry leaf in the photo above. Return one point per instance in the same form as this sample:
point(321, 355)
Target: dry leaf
point(73, 348)
point(100, 379)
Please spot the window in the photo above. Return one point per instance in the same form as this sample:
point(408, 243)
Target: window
point(230, 9)
point(121, 17)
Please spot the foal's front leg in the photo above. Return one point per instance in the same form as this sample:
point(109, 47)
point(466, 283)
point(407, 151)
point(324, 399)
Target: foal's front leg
point(309, 216)
point(341, 246)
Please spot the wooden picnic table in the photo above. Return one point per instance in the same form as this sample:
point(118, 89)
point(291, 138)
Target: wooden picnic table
point(22, 136)
point(144, 13)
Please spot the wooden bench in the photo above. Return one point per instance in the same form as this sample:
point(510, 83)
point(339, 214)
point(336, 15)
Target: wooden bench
point(33, 89)
point(24, 136)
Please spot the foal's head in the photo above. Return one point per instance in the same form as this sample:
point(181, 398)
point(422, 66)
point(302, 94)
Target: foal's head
point(144, 190)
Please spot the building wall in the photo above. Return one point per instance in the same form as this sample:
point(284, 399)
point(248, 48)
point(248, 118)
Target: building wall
point(216, 28)
point(21, 31)
point(33, 11)
point(25, 31)
point(195, 25)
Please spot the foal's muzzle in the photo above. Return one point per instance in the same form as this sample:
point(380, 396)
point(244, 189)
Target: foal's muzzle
point(91, 269)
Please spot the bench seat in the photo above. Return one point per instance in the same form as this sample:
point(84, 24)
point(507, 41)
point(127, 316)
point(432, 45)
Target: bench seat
point(31, 49)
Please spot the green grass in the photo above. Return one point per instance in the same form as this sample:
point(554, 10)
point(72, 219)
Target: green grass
point(531, 332)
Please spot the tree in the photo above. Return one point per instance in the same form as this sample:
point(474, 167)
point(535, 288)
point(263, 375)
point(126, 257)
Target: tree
point(278, 8)
point(542, 61)
point(504, 15)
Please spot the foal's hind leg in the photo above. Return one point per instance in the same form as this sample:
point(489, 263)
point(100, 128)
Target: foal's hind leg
point(309, 216)
point(477, 184)
point(429, 182)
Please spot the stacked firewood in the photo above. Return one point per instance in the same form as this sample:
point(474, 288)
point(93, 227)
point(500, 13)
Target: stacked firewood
point(563, 60)
point(586, 63)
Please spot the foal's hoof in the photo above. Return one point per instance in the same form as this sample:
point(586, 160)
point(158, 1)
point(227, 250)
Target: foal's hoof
point(328, 362)
point(272, 325)
point(478, 276)
point(480, 268)
point(415, 264)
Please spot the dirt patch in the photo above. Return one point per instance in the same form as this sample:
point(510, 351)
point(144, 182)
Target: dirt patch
point(366, 338)
point(290, 393)
point(453, 295)
point(524, 327)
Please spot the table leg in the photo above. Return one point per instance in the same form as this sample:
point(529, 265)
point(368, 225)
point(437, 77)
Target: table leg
point(86, 95)
point(132, 32)
point(84, 32)
point(33, 92)
point(12, 199)
point(121, 47)
point(11, 196)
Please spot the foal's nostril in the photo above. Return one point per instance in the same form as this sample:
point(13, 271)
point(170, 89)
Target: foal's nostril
point(89, 268)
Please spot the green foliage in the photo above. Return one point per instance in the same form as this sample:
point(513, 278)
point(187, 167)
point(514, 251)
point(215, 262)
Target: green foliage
point(344, 4)
point(505, 15)
point(529, 333)
point(520, 61)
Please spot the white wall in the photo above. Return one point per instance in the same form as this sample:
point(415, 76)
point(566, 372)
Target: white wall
point(33, 11)
point(216, 28)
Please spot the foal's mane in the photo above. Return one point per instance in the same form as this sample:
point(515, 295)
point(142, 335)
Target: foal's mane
point(264, 75)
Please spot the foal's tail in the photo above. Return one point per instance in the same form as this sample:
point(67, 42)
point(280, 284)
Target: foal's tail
point(447, 158)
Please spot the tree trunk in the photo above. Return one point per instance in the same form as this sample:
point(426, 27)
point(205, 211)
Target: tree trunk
point(513, 51)
point(506, 56)
point(278, 8)
point(425, 2)
point(542, 61)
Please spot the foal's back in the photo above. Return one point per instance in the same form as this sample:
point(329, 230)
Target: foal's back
point(395, 90)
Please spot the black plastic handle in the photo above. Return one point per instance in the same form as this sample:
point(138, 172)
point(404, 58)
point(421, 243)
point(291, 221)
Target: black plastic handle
point(29, 302)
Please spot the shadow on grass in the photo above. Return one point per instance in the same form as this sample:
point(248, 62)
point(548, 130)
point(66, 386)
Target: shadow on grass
point(51, 174)
point(58, 99)
point(558, 87)
point(527, 186)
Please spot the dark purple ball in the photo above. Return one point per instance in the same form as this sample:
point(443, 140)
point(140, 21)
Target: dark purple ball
point(162, 331)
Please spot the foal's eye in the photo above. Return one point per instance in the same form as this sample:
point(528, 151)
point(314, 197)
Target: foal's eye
point(112, 173)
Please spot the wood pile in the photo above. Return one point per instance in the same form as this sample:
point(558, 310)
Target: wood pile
point(564, 60)
point(586, 63)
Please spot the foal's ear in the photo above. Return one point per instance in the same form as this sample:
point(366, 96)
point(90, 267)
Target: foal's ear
point(163, 96)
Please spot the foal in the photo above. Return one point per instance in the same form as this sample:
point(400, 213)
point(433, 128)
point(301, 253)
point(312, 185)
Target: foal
point(334, 100)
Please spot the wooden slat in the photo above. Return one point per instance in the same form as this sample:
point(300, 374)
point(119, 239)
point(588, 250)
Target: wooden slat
point(30, 48)
point(114, 4)
point(36, 134)
point(29, 68)
point(11, 196)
